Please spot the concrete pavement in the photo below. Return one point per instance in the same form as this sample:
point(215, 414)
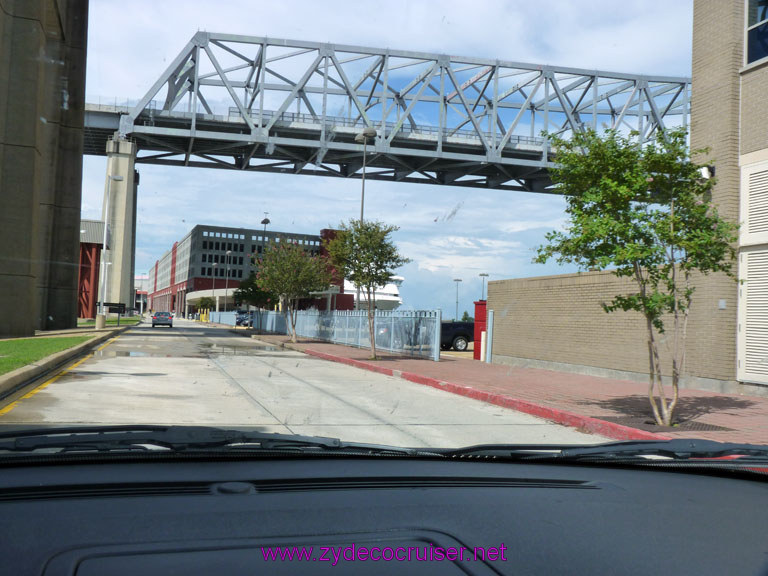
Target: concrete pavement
point(618, 409)
point(196, 374)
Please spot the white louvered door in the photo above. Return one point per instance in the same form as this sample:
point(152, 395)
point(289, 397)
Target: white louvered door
point(753, 275)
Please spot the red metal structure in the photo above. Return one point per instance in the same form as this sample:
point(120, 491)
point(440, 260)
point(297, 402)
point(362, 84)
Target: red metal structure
point(481, 320)
point(88, 280)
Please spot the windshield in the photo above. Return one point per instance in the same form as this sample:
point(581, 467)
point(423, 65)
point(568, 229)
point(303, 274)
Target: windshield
point(419, 224)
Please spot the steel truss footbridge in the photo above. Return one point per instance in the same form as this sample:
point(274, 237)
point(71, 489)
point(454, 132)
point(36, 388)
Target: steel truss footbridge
point(267, 105)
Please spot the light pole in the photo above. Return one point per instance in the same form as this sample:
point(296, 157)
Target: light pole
point(215, 298)
point(110, 178)
point(368, 132)
point(264, 237)
point(226, 281)
point(457, 280)
point(483, 275)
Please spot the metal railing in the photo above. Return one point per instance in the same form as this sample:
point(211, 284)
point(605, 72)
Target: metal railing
point(412, 333)
point(406, 129)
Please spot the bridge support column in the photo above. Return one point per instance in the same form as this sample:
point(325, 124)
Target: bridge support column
point(42, 95)
point(121, 220)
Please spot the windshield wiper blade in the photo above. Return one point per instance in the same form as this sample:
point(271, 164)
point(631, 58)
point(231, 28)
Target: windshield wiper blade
point(676, 449)
point(174, 438)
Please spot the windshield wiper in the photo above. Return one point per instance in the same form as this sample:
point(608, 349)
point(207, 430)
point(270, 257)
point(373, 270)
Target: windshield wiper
point(677, 449)
point(177, 439)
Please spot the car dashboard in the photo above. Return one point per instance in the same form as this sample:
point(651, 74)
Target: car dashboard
point(375, 516)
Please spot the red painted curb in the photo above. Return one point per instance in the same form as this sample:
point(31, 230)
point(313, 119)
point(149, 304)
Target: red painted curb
point(595, 425)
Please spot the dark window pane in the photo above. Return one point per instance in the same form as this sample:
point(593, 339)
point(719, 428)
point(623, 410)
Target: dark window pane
point(758, 11)
point(757, 43)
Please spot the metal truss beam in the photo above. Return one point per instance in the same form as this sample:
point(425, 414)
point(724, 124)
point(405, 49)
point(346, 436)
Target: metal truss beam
point(270, 105)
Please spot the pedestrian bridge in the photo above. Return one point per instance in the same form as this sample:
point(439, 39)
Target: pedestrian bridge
point(267, 105)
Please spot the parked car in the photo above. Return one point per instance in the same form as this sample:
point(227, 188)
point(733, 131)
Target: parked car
point(162, 319)
point(456, 335)
point(243, 319)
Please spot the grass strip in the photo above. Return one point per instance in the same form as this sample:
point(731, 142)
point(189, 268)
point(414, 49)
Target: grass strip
point(17, 353)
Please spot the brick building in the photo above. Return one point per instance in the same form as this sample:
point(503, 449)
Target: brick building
point(558, 322)
point(199, 262)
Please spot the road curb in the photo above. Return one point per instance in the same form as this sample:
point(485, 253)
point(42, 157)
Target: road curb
point(564, 417)
point(18, 378)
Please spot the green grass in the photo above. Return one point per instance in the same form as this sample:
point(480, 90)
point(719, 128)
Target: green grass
point(17, 353)
point(129, 321)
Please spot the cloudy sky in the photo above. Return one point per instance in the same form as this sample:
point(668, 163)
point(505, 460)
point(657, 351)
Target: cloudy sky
point(447, 232)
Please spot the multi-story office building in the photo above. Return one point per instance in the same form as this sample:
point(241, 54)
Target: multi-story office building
point(212, 257)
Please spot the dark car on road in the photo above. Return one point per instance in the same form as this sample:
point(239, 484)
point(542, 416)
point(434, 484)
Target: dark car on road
point(456, 335)
point(162, 319)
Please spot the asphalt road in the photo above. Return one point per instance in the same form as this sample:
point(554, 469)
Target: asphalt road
point(193, 374)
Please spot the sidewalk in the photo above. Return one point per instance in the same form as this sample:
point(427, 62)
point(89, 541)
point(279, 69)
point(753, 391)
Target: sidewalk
point(614, 408)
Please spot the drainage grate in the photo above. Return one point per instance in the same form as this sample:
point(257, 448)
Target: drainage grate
point(644, 423)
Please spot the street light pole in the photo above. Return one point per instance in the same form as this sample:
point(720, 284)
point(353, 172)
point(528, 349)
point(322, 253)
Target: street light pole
point(110, 178)
point(368, 132)
point(483, 275)
point(215, 298)
point(226, 281)
point(457, 280)
point(264, 236)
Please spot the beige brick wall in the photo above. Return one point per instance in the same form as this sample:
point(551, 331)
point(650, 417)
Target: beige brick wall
point(560, 319)
point(754, 110)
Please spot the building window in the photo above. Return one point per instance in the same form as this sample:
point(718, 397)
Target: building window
point(239, 273)
point(205, 244)
point(757, 30)
point(242, 247)
point(240, 260)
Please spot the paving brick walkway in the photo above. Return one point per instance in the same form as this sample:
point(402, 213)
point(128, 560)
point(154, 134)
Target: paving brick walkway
point(571, 399)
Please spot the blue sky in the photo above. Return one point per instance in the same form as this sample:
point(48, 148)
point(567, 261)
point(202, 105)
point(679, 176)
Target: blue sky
point(447, 232)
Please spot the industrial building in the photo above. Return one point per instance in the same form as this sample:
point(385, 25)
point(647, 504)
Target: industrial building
point(212, 261)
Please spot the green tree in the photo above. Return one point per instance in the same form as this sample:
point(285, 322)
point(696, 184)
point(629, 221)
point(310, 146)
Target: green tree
point(645, 211)
point(363, 253)
point(206, 303)
point(291, 273)
point(250, 293)
point(466, 317)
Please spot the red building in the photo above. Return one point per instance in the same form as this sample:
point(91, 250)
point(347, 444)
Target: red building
point(91, 237)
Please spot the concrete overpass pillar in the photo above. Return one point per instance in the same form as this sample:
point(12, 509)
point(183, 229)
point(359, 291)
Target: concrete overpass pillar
point(121, 158)
point(42, 98)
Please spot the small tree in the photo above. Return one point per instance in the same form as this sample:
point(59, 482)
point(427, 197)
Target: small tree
point(250, 293)
point(644, 211)
point(206, 303)
point(364, 254)
point(291, 273)
point(466, 317)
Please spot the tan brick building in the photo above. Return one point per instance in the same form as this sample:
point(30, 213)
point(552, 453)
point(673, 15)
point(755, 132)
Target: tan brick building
point(558, 322)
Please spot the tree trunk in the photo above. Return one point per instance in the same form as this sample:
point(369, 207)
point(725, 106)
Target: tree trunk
point(293, 312)
point(654, 370)
point(371, 324)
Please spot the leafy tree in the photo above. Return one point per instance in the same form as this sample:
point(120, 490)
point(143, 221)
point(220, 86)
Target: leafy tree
point(364, 254)
point(466, 317)
point(250, 293)
point(646, 212)
point(291, 273)
point(206, 303)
